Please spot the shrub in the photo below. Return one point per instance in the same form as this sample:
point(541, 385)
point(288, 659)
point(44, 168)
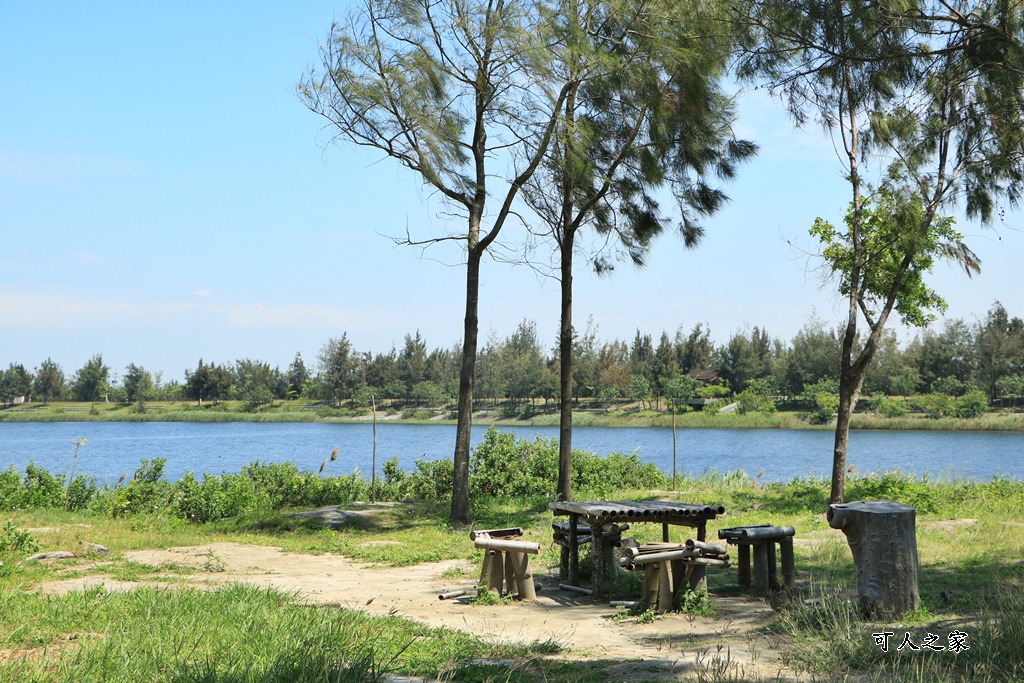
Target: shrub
point(41, 489)
point(902, 488)
point(935, 405)
point(13, 539)
point(146, 492)
point(971, 405)
point(888, 407)
point(431, 480)
point(751, 401)
point(80, 492)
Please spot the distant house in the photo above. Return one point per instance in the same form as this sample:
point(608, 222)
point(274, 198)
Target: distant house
point(710, 375)
point(18, 400)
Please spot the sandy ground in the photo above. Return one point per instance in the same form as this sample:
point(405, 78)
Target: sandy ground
point(667, 649)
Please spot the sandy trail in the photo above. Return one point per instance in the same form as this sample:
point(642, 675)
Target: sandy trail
point(665, 649)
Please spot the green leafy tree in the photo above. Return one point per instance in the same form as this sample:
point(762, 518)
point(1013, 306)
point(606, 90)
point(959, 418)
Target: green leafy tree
point(442, 87)
point(638, 389)
point(207, 382)
point(758, 397)
point(255, 383)
point(666, 364)
point(948, 353)
point(138, 383)
point(91, 381)
point(525, 372)
point(15, 382)
point(297, 377)
point(928, 91)
point(341, 369)
point(643, 113)
point(813, 356)
point(695, 350)
point(49, 381)
point(1000, 347)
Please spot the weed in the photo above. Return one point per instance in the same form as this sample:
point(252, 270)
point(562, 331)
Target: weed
point(487, 597)
point(696, 604)
point(13, 539)
point(453, 573)
point(637, 614)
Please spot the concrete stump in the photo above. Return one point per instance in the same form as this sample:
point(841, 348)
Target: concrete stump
point(883, 538)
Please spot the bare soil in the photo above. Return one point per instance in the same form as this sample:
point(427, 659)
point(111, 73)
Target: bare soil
point(670, 648)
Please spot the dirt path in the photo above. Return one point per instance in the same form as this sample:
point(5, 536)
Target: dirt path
point(665, 649)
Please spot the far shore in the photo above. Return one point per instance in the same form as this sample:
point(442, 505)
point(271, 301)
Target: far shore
point(539, 415)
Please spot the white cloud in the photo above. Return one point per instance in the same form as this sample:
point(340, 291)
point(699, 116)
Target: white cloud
point(28, 166)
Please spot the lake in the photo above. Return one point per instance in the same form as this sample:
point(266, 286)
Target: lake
point(115, 448)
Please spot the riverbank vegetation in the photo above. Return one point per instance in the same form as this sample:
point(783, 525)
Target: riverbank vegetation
point(541, 414)
point(969, 536)
point(958, 372)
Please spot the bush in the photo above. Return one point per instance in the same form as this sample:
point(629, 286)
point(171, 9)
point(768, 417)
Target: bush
point(750, 401)
point(41, 489)
point(971, 405)
point(888, 407)
point(80, 492)
point(146, 492)
point(902, 488)
point(431, 480)
point(934, 405)
point(503, 465)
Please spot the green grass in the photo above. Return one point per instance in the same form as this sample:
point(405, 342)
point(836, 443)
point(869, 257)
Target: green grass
point(237, 633)
point(971, 579)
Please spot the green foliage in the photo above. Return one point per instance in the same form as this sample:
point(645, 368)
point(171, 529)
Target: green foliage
point(889, 407)
point(15, 540)
point(487, 597)
point(758, 397)
point(951, 386)
point(902, 488)
point(41, 489)
point(147, 492)
point(502, 465)
point(973, 404)
point(90, 383)
point(431, 480)
point(694, 603)
point(713, 390)
point(80, 492)
point(889, 232)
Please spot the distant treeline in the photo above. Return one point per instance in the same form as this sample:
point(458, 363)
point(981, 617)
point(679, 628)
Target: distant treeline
point(986, 356)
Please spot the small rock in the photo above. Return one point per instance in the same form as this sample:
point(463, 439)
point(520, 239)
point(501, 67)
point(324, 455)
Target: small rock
point(54, 555)
point(94, 548)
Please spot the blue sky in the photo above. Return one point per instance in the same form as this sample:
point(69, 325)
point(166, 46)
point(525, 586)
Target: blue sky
point(165, 197)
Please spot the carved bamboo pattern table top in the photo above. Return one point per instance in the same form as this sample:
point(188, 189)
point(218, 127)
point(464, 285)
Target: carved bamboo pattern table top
point(668, 512)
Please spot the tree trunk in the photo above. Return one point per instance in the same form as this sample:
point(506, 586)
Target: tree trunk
point(460, 475)
point(565, 376)
point(842, 439)
point(883, 539)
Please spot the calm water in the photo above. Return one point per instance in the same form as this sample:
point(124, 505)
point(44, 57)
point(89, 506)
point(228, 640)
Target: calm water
point(114, 449)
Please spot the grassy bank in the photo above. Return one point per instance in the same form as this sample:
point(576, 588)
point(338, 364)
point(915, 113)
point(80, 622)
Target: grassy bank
point(293, 411)
point(970, 542)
